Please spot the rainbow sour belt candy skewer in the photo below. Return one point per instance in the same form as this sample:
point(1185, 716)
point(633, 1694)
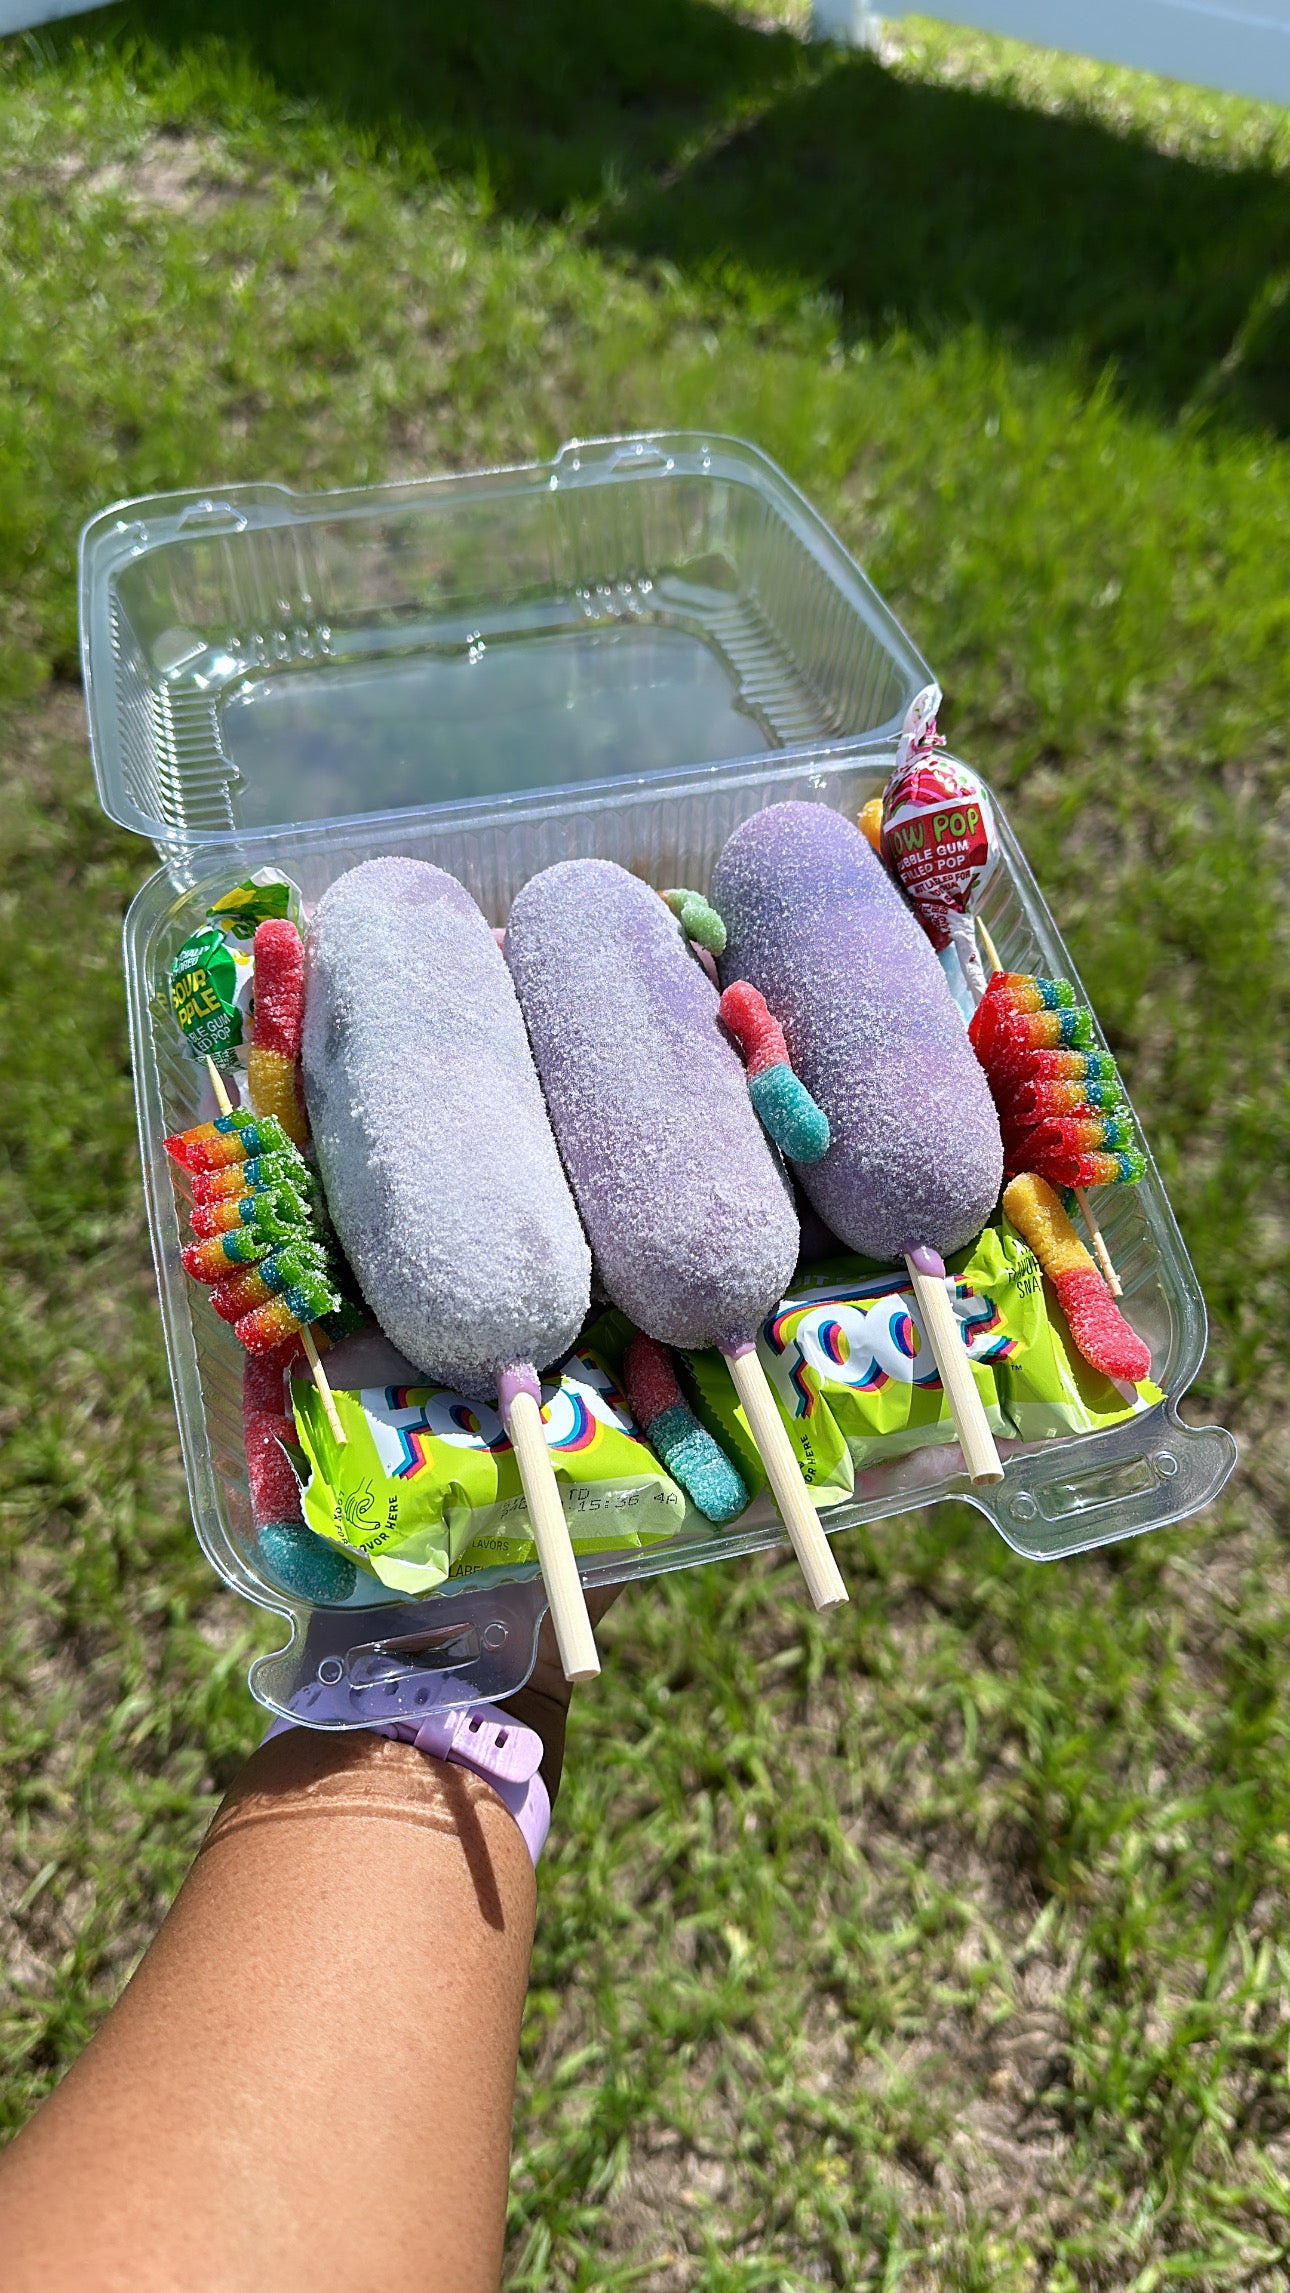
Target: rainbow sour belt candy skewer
point(1035, 1043)
point(256, 1244)
point(673, 1431)
point(915, 1159)
point(689, 1214)
point(1096, 1323)
point(440, 1169)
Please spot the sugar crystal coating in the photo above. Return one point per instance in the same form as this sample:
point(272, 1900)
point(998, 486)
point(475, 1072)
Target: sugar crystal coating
point(690, 1217)
point(440, 1169)
point(816, 924)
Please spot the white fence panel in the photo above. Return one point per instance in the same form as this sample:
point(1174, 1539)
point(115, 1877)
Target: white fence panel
point(18, 15)
point(1242, 46)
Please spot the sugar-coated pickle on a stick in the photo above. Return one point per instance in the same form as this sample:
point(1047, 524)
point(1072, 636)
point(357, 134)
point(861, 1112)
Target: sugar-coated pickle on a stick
point(690, 1217)
point(915, 1159)
point(441, 1173)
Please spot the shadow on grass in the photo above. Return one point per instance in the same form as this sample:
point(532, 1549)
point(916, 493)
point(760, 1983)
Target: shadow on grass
point(688, 136)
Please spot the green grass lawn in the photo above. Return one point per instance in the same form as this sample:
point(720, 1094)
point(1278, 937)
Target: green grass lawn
point(943, 1945)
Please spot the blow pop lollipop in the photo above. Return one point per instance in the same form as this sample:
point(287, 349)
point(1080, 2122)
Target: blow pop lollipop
point(938, 835)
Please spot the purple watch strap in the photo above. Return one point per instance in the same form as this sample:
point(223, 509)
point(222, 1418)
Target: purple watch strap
point(488, 1742)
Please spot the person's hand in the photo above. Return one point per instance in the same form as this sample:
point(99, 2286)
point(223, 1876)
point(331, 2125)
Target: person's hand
point(543, 1702)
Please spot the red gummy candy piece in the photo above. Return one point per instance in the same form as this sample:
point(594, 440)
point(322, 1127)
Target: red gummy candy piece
point(279, 988)
point(1099, 1328)
point(275, 1491)
point(757, 1032)
point(650, 1380)
point(262, 1377)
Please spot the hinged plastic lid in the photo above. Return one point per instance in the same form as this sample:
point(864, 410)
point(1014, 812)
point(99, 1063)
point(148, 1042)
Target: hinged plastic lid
point(256, 659)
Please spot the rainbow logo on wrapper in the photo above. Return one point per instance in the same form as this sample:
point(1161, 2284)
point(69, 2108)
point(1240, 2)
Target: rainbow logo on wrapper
point(576, 1413)
point(866, 1337)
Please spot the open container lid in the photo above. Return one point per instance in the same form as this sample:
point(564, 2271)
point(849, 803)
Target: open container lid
point(257, 659)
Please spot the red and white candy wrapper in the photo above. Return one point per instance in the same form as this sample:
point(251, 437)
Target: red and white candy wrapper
point(938, 835)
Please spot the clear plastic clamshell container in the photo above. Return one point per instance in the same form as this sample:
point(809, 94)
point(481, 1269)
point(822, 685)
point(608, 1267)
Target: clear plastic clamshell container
point(623, 652)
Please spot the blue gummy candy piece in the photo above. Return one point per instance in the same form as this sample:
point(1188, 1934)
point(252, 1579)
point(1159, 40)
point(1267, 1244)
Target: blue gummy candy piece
point(693, 1458)
point(303, 1564)
point(799, 1128)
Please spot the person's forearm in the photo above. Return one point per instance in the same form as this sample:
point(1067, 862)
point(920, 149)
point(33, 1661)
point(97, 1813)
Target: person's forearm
point(307, 2086)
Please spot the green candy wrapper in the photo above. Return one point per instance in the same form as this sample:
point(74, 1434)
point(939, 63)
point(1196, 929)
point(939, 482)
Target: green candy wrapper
point(212, 977)
point(857, 1386)
point(427, 1487)
point(210, 992)
point(253, 902)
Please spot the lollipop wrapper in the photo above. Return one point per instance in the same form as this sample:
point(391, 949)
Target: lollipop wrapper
point(427, 1490)
point(938, 834)
point(212, 977)
point(252, 902)
point(210, 995)
point(849, 1342)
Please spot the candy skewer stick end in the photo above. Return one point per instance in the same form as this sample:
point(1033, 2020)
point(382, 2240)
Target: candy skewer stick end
point(325, 1394)
point(522, 1416)
point(941, 1329)
point(814, 1552)
point(988, 948)
point(222, 1099)
point(1098, 1240)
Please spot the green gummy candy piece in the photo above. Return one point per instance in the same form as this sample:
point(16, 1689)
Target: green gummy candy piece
point(699, 920)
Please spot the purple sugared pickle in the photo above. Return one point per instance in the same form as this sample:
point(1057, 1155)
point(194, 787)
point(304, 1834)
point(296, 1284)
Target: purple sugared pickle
point(690, 1217)
point(441, 1172)
point(815, 922)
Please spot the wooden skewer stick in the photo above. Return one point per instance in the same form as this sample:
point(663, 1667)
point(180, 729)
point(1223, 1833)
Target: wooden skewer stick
point(522, 1416)
point(941, 1329)
point(325, 1394)
point(1098, 1240)
point(814, 1552)
point(991, 951)
point(316, 1370)
point(222, 1099)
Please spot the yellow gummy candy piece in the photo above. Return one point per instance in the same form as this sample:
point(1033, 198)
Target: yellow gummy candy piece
point(1037, 1213)
point(869, 822)
point(271, 1080)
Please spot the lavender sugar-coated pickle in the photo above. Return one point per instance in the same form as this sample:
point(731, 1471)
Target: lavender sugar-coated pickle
point(691, 1221)
point(814, 921)
point(441, 1172)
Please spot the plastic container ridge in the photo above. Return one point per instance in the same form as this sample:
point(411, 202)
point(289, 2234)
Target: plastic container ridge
point(622, 652)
